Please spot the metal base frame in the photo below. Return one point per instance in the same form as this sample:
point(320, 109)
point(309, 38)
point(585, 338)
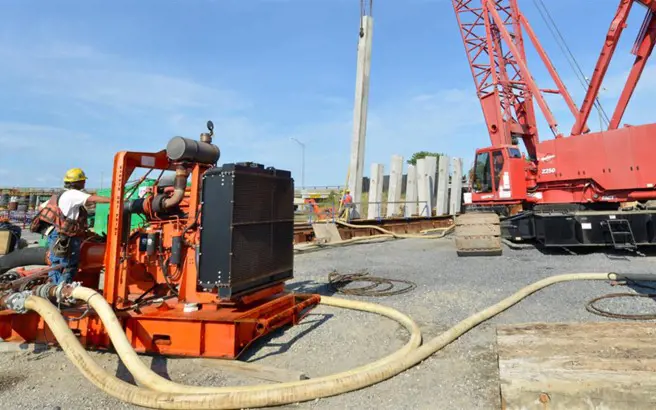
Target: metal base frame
point(213, 331)
point(616, 229)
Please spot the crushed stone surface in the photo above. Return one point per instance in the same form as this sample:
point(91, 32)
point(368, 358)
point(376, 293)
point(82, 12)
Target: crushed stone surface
point(464, 375)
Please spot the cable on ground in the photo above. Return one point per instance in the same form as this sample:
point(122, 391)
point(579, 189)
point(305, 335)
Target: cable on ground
point(339, 282)
point(592, 308)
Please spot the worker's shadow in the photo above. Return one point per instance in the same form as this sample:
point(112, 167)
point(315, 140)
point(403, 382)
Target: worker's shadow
point(308, 324)
point(645, 289)
point(159, 365)
point(310, 286)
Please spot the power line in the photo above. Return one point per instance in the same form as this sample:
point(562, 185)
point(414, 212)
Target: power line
point(569, 56)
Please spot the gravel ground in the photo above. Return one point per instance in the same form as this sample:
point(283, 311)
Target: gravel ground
point(462, 376)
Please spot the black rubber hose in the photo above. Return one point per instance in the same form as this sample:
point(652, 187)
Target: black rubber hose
point(23, 257)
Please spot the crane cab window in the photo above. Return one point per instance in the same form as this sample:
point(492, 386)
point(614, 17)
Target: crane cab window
point(497, 161)
point(482, 181)
point(514, 153)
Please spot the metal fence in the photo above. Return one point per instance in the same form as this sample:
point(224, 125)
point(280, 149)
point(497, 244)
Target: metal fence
point(20, 218)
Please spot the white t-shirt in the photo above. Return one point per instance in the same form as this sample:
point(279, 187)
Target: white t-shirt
point(71, 201)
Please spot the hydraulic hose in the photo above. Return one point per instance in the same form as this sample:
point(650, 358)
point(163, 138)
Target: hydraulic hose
point(24, 257)
point(344, 242)
point(268, 395)
point(385, 235)
point(398, 235)
point(374, 238)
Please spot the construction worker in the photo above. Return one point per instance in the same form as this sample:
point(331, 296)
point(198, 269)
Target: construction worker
point(498, 167)
point(346, 203)
point(63, 220)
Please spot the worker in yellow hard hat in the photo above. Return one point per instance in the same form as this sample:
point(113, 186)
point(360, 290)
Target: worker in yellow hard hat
point(63, 220)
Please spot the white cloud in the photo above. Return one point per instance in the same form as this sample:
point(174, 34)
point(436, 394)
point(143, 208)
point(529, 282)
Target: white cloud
point(128, 107)
point(127, 91)
point(115, 98)
point(81, 73)
point(41, 154)
point(93, 104)
point(449, 121)
point(639, 110)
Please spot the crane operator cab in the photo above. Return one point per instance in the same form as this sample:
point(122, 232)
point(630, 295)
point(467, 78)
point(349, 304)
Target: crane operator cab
point(498, 175)
point(497, 183)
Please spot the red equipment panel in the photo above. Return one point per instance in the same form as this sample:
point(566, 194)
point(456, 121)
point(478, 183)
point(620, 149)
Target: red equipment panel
point(619, 162)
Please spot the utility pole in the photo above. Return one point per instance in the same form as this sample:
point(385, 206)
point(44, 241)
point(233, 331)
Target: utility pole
point(302, 162)
point(356, 167)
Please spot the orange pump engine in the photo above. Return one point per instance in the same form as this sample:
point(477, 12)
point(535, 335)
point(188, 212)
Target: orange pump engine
point(204, 274)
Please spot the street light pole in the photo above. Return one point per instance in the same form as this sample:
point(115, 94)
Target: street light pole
point(302, 161)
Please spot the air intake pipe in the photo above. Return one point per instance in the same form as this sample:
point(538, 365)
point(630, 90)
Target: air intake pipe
point(179, 187)
point(184, 149)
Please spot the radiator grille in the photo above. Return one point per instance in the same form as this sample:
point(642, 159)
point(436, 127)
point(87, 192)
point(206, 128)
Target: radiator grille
point(248, 229)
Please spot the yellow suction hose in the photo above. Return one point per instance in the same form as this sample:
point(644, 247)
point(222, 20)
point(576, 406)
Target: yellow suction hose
point(170, 395)
point(385, 232)
point(144, 375)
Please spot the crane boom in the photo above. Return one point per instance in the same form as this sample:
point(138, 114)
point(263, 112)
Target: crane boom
point(572, 191)
point(492, 34)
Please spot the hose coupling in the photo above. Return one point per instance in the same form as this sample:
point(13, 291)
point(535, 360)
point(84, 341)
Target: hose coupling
point(16, 301)
point(63, 292)
point(44, 290)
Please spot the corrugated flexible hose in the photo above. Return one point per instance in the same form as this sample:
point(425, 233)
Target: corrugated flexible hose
point(166, 394)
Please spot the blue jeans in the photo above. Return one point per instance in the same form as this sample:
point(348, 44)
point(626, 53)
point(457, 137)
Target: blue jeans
point(69, 262)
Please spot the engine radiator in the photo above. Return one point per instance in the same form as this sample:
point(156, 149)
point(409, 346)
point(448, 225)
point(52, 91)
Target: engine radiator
point(247, 235)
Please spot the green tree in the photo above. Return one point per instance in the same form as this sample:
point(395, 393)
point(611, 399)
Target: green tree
point(420, 155)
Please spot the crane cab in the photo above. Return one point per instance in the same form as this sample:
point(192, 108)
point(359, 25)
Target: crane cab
point(498, 176)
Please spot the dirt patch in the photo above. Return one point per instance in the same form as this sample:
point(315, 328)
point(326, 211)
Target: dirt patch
point(9, 381)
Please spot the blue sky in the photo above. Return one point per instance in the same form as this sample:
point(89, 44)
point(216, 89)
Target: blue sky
point(81, 80)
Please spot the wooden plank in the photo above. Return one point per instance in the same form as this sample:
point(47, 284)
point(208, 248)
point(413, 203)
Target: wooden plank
point(481, 229)
point(255, 370)
point(326, 232)
point(394, 207)
point(607, 365)
point(5, 242)
point(476, 218)
point(478, 242)
point(411, 192)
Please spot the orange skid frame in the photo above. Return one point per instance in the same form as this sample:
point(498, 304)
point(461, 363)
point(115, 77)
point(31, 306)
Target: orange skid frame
point(167, 330)
point(195, 322)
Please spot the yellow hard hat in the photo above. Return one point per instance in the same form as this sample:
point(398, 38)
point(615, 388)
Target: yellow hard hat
point(75, 175)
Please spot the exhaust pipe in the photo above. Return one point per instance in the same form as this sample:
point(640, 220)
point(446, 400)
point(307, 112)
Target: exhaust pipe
point(179, 187)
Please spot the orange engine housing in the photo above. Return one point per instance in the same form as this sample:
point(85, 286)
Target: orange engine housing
point(153, 287)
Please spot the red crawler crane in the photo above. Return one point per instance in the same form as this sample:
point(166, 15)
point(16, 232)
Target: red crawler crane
point(583, 189)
